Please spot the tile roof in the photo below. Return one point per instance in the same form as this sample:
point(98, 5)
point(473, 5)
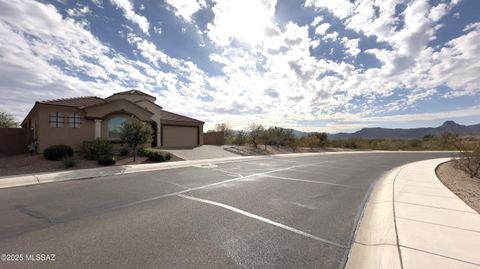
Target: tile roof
point(75, 102)
point(136, 92)
point(166, 115)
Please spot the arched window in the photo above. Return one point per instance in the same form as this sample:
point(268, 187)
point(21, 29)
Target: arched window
point(114, 126)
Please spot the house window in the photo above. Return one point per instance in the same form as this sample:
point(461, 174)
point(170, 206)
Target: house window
point(114, 125)
point(74, 120)
point(56, 120)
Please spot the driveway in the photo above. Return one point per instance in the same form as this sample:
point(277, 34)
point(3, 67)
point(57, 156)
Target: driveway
point(202, 152)
point(296, 212)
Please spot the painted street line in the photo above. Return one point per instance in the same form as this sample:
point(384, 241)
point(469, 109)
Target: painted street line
point(310, 181)
point(271, 222)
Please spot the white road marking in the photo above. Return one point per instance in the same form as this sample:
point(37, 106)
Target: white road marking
point(207, 186)
point(229, 173)
point(271, 222)
point(309, 181)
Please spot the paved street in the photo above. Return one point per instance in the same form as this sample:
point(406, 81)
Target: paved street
point(296, 212)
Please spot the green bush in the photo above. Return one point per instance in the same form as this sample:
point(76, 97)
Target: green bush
point(68, 162)
point(93, 149)
point(123, 152)
point(106, 160)
point(142, 152)
point(57, 152)
point(168, 156)
point(156, 157)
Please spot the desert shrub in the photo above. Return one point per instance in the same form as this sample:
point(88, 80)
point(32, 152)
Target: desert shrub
point(57, 152)
point(469, 159)
point(240, 138)
point(168, 156)
point(144, 152)
point(123, 152)
point(94, 149)
point(156, 157)
point(68, 162)
point(106, 160)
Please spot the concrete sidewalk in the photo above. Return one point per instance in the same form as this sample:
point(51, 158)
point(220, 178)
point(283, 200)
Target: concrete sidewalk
point(201, 153)
point(413, 221)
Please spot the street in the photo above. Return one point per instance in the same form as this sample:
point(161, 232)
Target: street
point(288, 212)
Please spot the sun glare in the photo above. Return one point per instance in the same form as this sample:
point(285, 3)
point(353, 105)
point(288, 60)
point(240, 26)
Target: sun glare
point(247, 21)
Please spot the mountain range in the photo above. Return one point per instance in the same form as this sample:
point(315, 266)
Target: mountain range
point(397, 133)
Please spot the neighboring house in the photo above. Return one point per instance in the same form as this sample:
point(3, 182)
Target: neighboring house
point(73, 120)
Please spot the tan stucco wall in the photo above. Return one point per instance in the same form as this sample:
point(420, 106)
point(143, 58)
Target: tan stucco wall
point(65, 135)
point(34, 119)
point(117, 106)
point(156, 115)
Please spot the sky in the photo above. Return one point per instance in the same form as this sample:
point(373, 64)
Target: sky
point(312, 65)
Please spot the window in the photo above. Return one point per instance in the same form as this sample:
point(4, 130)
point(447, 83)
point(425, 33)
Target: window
point(114, 125)
point(74, 120)
point(56, 120)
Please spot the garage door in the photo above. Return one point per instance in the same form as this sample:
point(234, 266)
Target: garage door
point(179, 136)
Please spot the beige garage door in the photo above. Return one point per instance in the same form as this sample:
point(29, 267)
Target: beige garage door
point(180, 136)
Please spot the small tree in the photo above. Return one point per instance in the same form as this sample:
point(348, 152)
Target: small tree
point(265, 138)
point(311, 141)
point(227, 131)
point(134, 132)
point(255, 132)
point(7, 120)
point(322, 139)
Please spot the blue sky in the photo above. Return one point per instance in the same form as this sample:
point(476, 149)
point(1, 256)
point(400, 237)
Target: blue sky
point(313, 65)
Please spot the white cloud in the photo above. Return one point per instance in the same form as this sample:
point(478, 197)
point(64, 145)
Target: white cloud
point(322, 28)
point(98, 3)
point(157, 29)
point(316, 21)
point(128, 11)
point(471, 26)
point(186, 8)
point(351, 46)
point(339, 8)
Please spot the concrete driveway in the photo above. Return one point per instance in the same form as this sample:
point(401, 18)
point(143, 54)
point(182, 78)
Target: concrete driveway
point(202, 152)
point(297, 212)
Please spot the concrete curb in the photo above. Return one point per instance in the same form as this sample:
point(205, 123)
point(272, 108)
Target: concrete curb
point(39, 178)
point(412, 220)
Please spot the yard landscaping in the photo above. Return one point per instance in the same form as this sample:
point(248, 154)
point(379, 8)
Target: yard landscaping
point(28, 164)
point(460, 183)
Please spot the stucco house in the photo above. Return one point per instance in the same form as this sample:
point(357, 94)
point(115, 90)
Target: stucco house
point(72, 120)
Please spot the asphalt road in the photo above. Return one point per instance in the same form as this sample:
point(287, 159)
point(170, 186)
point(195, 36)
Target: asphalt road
point(296, 212)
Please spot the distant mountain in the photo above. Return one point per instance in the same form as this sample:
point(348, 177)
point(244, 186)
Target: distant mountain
point(446, 127)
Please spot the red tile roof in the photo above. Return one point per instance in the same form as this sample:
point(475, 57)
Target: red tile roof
point(75, 102)
point(166, 115)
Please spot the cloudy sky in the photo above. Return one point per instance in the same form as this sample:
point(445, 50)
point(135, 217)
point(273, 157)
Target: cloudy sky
point(310, 65)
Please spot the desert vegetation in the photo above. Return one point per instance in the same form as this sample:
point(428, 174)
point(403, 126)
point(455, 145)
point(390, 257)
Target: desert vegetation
point(260, 137)
point(468, 159)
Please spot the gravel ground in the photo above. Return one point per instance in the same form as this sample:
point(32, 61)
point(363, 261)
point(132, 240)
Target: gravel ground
point(28, 164)
point(461, 184)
